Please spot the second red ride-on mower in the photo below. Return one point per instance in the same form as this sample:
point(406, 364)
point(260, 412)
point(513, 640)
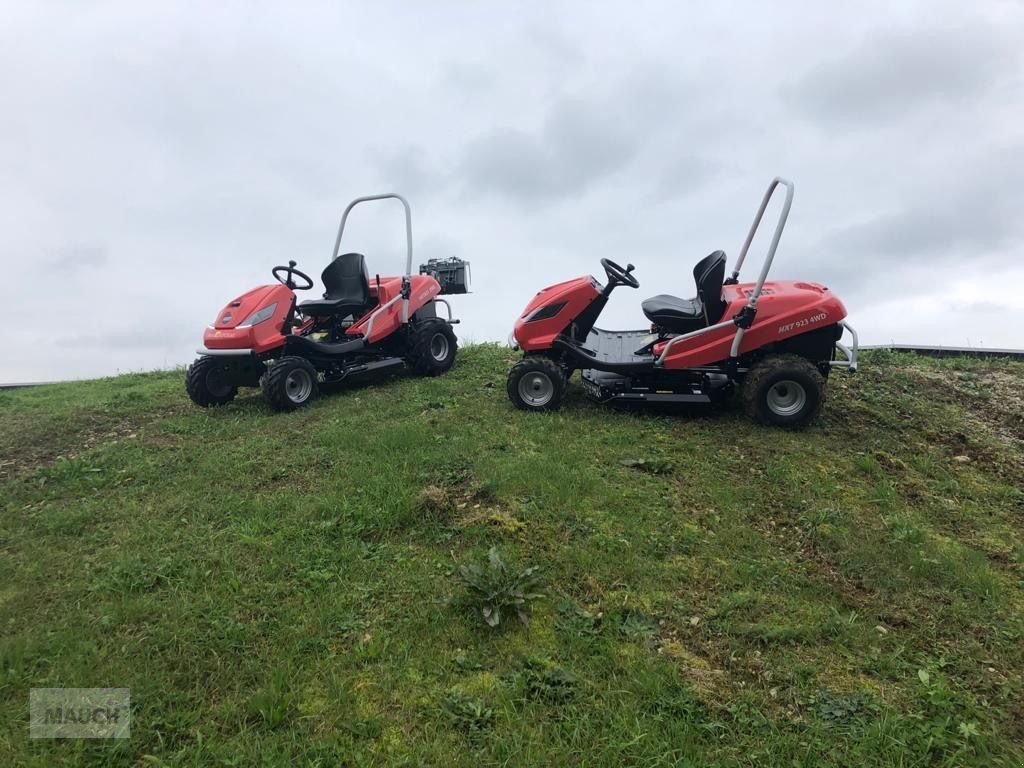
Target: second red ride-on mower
point(776, 341)
point(264, 338)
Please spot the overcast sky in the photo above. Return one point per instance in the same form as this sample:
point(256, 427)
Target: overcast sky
point(157, 159)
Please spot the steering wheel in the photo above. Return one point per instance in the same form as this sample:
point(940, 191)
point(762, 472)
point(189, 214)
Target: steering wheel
point(617, 274)
point(287, 280)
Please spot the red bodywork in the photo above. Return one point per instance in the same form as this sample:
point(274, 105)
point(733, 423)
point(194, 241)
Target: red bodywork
point(785, 308)
point(229, 330)
point(541, 334)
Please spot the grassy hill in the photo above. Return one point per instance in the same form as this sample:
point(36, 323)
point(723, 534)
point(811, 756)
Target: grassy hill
point(285, 589)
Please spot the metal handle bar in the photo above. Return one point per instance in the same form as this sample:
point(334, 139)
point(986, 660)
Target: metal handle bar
point(408, 247)
point(773, 246)
point(775, 238)
point(408, 226)
point(752, 302)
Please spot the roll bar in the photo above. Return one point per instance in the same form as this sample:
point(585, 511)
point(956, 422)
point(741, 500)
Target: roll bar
point(775, 238)
point(408, 226)
point(751, 307)
point(745, 317)
point(407, 277)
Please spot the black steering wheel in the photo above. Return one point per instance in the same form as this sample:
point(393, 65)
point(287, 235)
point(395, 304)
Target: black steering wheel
point(619, 276)
point(290, 270)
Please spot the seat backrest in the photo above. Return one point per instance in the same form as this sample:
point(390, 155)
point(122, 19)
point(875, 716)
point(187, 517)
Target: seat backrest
point(346, 278)
point(709, 274)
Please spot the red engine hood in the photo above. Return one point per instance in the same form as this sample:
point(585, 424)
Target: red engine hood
point(560, 291)
point(227, 331)
point(570, 298)
point(237, 310)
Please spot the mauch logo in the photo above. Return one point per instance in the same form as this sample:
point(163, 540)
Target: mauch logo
point(80, 713)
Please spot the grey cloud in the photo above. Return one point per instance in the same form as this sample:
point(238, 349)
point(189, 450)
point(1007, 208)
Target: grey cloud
point(684, 175)
point(932, 232)
point(894, 72)
point(148, 336)
point(551, 44)
point(925, 243)
point(407, 169)
point(975, 308)
point(467, 78)
point(77, 256)
point(579, 145)
point(956, 219)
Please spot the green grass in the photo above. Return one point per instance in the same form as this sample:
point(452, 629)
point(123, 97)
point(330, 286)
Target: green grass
point(283, 589)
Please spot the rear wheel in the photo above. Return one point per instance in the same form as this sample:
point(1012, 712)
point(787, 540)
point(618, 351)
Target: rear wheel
point(432, 347)
point(208, 382)
point(785, 391)
point(290, 383)
point(536, 384)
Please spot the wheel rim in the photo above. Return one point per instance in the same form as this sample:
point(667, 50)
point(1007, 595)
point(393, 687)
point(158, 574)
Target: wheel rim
point(298, 385)
point(217, 383)
point(439, 347)
point(536, 389)
point(786, 398)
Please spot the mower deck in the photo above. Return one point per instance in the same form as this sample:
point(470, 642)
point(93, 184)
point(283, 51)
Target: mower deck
point(605, 386)
point(357, 368)
point(622, 368)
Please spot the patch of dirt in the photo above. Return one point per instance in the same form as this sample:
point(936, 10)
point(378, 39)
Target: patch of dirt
point(92, 431)
point(710, 682)
point(30, 456)
point(797, 542)
point(718, 674)
point(992, 403)
point(458, 498)
point(498, 519)
point(434, 502)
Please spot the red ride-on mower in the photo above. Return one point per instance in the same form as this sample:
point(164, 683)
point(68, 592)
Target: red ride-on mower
point(265, 339)
point(777, 340)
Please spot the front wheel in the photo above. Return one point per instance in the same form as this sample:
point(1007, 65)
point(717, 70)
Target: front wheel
point(290, 383)
point(432, 348)
point(536, 384)
point(208, 382)
point(784, 391)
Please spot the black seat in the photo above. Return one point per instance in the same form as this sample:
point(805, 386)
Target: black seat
point(348, 288)
point(685, 315)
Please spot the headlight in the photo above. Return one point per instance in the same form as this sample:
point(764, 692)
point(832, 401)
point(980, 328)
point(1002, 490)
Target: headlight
point(512, 340)
point(546, 312)
point(260, 315)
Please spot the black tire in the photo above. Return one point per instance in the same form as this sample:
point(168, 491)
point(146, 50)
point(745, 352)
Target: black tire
point(536, 383)
point(290, 383)
point(432, 347)
point(784, 391)
point(208, 383)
